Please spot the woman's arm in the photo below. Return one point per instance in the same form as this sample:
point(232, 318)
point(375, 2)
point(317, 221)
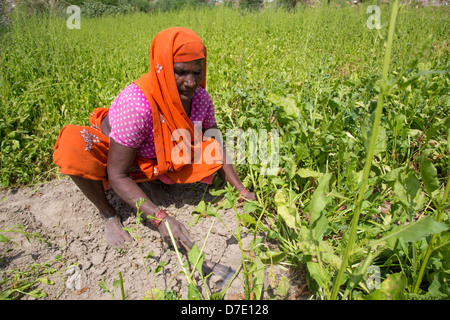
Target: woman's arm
point(120, 159)
point(228, 173)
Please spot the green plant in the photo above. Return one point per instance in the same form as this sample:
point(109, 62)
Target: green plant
point(370, 153)
point(105, 289)
point(313, 74)
point(27, 280)
point(195, 258)
point(252, 267)
point(153, 293)
point(431, 185)
point(20, 229)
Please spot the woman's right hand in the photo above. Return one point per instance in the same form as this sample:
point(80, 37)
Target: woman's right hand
point(179, 232)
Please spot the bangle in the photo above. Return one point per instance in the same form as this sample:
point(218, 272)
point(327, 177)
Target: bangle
point(243, 193)
point(108, 219)
point(157, 219)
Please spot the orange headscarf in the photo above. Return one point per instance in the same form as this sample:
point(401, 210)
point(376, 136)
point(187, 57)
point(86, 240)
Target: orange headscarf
point(159, 87)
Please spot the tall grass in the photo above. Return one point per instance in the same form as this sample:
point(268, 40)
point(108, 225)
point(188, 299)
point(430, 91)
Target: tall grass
point(370, 152)
point(52, 76)
point(314, 74)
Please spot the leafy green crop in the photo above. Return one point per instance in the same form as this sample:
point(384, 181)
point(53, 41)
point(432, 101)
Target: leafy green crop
point(316, 76)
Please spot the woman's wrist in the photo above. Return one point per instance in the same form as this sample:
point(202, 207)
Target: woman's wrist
point(243, 193)
point(158, 218)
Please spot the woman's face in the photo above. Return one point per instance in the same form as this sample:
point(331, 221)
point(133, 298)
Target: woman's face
point(188, 76)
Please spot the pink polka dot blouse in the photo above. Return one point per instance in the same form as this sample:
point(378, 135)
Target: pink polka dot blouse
point(130, 118)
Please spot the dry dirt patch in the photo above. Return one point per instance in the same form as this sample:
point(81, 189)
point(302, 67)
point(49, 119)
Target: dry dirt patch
point(60, 213)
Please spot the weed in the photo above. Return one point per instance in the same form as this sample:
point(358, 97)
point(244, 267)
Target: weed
point(27, 280)
point(363, 150)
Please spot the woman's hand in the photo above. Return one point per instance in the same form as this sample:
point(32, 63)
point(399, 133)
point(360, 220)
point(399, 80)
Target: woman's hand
point(250, 196)
point(179, 232)
point(245, 194)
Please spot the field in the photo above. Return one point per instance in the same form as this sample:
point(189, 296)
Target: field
point(360, 203)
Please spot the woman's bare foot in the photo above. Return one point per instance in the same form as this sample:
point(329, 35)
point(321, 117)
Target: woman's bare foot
point(115, 235)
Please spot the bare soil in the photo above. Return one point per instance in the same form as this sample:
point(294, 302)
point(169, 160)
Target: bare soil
point(70, 223)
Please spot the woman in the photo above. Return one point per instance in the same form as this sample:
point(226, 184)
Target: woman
point(132, 141)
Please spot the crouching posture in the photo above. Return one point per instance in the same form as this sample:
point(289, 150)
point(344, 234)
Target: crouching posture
point(132, 141)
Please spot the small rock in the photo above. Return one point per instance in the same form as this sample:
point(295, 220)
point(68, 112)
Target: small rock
point(97, 258)
point(74, 280)
point(100, 271)
point(85, 264)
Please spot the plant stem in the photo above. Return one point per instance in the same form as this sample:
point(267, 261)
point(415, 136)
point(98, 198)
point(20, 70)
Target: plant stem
point(138, 240)
point(431, 247)
point(121, 285)
point(370, 153)
point(198, 259)
point(238, 238)
point(174, 243)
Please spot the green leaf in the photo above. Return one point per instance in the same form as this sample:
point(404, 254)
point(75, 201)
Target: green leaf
point(210, 212)
point(157, 295)
point(282, 208)
point(414, 231)
point(381, 143)
point(308, 246)
point(196, 257)
point(283, 287)
point(288, 104)
point(393, 175)
point(161, 264)
point(46, 281)
point(272, 257)
point(217, 192)
point(319, 274)
point(217, 295)
point(259, 274)
point(318, 220)
point(247, 220)
point(408, 191)
point(200, 208)
point(393, 288)
point(3, 238)
point(308, 173)
point(170, 295)
point(428, 173)
point(438, 288)
point(193, 293)
point(250, 206)
point(151, 254)
point(319, 200)
point(5, 295)
point(37, 293)
point(129, 230)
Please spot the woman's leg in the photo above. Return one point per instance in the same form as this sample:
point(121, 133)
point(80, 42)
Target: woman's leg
point(93, 190)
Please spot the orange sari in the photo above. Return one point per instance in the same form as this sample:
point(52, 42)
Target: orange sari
point(83, 150)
